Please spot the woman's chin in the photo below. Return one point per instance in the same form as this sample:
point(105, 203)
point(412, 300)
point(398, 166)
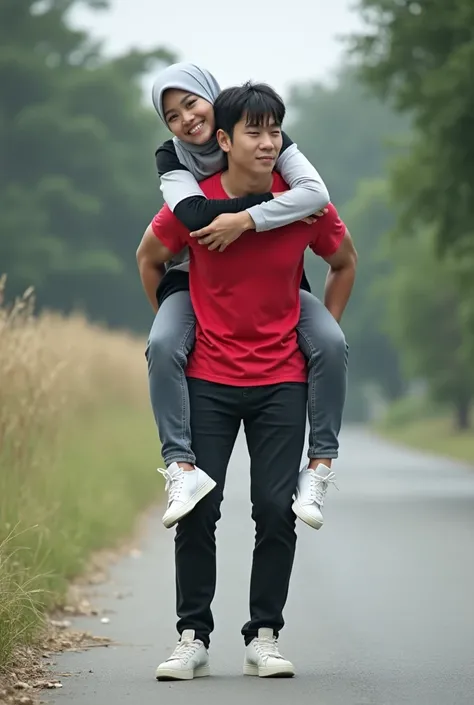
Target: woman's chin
point(202, 138)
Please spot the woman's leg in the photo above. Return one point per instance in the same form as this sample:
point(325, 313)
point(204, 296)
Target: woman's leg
point(169, 344)
point(324, 346)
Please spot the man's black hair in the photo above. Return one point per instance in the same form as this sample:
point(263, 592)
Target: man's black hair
point(258, 102)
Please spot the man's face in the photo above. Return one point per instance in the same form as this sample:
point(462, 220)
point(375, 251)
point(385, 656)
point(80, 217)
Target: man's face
point(253, 148)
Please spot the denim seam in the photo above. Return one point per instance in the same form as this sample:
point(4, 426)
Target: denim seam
point(309, 342)
point(179, 458)
point(314, 454)
point(311, 394)
point(183, 394)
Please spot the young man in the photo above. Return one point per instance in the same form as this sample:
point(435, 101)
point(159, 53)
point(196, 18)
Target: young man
point(246, 366)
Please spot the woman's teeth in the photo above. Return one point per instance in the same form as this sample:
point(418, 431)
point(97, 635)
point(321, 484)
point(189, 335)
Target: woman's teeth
point(196, 129)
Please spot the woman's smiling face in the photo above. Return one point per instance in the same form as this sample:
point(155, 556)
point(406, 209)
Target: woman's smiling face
point(188, 116)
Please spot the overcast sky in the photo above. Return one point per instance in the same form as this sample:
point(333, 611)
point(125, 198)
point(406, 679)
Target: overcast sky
point(281, 42)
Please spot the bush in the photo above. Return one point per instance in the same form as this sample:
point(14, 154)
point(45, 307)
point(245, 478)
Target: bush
point(408, 410)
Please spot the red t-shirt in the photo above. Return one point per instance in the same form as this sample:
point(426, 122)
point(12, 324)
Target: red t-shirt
point(247, 298)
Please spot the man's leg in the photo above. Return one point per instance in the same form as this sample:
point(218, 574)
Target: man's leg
point(215, 422)
point(275, 428)
point(323, 343)
point(170, 342)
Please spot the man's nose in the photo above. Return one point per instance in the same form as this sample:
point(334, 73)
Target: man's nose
point(266, 142)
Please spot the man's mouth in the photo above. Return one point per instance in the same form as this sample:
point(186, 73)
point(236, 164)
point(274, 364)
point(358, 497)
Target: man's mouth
point(266, 159)
point(196, 129)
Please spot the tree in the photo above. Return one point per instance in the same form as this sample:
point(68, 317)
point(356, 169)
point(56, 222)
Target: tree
point(424, 320)
point(370, 217)
point(421, 55)
point(350, 137)
point(346, 132)
point(77, 177)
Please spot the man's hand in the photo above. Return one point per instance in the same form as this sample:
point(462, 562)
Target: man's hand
point(151, 256)
point(223, 230)
point(340, 277)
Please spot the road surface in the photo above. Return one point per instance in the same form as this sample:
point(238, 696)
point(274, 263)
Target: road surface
point(381, 607)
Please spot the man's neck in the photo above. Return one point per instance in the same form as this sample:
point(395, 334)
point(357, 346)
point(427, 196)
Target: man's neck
point(237, 182)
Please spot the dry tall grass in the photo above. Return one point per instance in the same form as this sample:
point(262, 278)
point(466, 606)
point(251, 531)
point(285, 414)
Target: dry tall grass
point(78, 450)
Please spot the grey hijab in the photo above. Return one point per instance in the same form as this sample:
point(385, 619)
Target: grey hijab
point(201, 160)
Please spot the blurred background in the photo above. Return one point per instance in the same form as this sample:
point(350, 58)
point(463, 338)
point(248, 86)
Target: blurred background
point(379, 105)
point(380, 98)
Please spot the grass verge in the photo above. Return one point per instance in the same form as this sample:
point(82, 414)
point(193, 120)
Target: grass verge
point(435, 435)
point(78, 448)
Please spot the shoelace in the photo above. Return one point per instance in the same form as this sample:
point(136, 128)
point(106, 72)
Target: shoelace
point(319, 486)
point(184, 650)
point(173, 484)
point(267, 647)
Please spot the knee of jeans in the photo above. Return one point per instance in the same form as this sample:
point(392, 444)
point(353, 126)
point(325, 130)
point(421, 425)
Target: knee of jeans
point(273, 512)
point(205, 514)
point(333, 345)
point(162, 346)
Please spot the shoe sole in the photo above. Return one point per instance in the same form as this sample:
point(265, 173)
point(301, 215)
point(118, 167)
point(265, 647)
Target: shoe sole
point(169, 674)
point(266, 672)
point(305, 517)
point(208, 486)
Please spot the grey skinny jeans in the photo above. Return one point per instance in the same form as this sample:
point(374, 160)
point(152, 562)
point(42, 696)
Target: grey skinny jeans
point(171, 339)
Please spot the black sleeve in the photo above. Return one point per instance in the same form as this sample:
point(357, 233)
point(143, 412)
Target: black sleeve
point(287, 142)
point(196, 212)
point(167, 159)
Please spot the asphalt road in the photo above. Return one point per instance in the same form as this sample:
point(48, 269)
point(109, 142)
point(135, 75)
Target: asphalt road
point(381, 607)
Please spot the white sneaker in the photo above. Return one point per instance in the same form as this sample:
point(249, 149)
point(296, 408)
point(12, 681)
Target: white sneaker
point(263, 659)
point(189, 660)
point(311, 492)
point(185, 489)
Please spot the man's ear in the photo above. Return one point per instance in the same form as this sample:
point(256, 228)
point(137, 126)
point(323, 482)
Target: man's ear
point(223, 140)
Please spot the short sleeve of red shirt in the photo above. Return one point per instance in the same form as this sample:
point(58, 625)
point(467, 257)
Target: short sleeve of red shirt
point(329, 231)
point(169, 230)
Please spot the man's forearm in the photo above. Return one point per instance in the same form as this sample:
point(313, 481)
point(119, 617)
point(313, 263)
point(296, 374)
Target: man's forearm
point(151, 276)
point(339, 283)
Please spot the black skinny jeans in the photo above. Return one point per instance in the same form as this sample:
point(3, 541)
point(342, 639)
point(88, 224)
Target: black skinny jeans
point(274, 418)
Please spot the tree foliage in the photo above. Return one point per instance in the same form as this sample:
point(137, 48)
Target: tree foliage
point(346, 132)
point(351, 137)
point(77, 177)
point(424, 321)
point(421, 55)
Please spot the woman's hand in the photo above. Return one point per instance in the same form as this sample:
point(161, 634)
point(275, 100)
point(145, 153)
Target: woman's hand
point(313, 218)
point(223, 230)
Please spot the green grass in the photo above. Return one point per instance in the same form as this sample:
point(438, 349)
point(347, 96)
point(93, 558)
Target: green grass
point(84, 494)
point(435, 435)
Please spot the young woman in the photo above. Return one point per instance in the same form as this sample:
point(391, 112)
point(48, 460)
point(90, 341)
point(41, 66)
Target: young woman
point(183, 96)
